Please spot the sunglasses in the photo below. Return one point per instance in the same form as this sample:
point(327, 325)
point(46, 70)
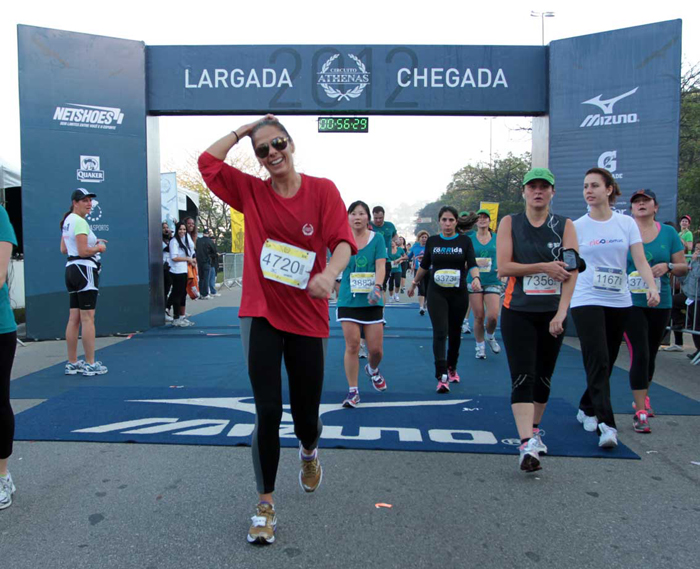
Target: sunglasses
point(279, 144)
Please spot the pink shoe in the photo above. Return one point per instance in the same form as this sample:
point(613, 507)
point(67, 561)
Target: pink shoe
point(647, 406)
point(443, 385)
point(452, 375)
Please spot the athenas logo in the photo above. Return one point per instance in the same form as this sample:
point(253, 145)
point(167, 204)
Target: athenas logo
point(608, 117)
point(88, 116)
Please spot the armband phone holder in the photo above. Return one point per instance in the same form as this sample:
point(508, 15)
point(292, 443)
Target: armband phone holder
point(573, 260)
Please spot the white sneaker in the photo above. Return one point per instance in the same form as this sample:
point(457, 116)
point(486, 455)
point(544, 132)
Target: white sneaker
point(185, 322)
point(590, 424)
point(539, 445)
point(168, 318)
point(672, 348)
point(7, 488)
point(529, 457)
point(180, 322)
point(397, 298)
point(493, 344)
point(363, 351)
point(204, 297)
point(217, 294)
point(480, 352)
point(465, 327)
point(608, 436)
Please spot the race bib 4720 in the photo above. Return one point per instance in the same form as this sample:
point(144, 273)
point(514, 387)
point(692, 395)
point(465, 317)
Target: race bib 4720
point(286, 263)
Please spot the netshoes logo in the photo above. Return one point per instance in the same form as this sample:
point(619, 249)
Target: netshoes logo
point(88, 116)
point(608, 118)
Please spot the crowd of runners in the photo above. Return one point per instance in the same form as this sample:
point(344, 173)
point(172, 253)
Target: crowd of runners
point(611, 272)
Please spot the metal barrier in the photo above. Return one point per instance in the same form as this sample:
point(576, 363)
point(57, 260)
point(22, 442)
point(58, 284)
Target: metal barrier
point(687, 291)
point(233, 270)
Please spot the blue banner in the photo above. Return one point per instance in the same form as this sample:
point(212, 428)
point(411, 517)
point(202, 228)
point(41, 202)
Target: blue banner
point(83, 121)
point(440, 80)
point(615, 104)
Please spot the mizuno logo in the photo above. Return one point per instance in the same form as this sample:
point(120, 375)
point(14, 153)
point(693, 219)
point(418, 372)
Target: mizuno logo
point(228, 428)
point(608, 118)
point(607, 106)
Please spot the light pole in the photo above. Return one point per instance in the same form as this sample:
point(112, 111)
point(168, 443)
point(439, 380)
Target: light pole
point(542, 16)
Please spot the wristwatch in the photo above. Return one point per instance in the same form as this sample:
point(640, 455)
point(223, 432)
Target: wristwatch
point(670, 267)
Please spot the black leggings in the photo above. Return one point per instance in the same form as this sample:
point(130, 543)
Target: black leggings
point(265, 347)
point(178, 294)
point(8, 344)
point(600, 330)
point(395, 282)
point(447, 311)
point(532, 353)
point(644, 331)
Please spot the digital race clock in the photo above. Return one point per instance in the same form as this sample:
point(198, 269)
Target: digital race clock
point(343, 124)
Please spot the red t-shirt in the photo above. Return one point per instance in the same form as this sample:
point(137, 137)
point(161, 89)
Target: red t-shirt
point(314, 219)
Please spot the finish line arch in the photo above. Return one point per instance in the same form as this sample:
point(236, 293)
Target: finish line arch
point(609, 99)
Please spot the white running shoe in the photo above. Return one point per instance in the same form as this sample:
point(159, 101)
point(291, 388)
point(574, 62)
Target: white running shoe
point(7, 488)
point(537, 437)
point(186, 322)
point(363, 351)
point(529, 457)
point(94, 369)
point(608, 436)
point(480, 352)
point(168, 318)
point(466, 328)
point(493, 344)
point(397, 298)
point(590, 424)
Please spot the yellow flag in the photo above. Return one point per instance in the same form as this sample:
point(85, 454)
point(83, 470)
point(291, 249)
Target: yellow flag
point(493, 209)
point(237, 231)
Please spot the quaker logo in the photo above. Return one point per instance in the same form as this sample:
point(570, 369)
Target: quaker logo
point(343, 83)
point(308, 230)
point(88, 116)
point(608, 160)
point(442, 422)
point(608, 117)
point(89, 170)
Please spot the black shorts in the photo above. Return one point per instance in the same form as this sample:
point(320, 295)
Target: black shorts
point(82, 283)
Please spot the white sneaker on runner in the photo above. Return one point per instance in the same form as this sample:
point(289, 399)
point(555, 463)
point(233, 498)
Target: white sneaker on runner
point(590, 424)
point(608, 436)
point(480, 352)
point(493, 344)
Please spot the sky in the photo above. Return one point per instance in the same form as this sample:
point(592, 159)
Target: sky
point(402, 159)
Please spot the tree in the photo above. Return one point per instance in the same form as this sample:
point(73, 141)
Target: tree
point(499, 182)
point(689, 148)
point(214, 213)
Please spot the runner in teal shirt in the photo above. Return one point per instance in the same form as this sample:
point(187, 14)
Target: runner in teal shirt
point(660, 250)
point(360, 304)
point(486, 304)
point(8, 344)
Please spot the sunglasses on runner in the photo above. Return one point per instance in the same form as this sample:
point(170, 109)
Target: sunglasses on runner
point(279, 144)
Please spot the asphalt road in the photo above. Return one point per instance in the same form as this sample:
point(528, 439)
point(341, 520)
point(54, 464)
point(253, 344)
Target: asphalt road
point(88, 505)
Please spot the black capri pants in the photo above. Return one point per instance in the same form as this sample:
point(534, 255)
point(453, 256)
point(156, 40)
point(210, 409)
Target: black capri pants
point(8, 345)
point(264, 347)
point(645, 329)
point(178, 294)
point(532, 353)
point(395, 281)
point(447, 311)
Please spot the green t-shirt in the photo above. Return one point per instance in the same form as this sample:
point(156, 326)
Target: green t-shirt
point(7, 318)
point(392, 257)
point(660, 250)
point(387, 230)
point(488, 273)
point(362, 263)
point(686, 236)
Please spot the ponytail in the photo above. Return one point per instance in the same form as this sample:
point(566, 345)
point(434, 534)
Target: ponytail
point(66, 215)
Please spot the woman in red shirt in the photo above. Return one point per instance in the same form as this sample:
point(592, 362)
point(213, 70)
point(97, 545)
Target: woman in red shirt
point(290, 221)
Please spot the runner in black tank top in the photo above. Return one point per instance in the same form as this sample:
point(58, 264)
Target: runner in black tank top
point(447, 258)
point(530, 253)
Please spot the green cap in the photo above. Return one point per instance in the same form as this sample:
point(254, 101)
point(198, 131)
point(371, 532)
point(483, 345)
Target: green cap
point(484, 211)
point(539, 174)
point(463, 213)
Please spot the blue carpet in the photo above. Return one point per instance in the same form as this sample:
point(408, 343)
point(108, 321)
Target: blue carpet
point(388, 421)
point(209, 355)
point(140, 399)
